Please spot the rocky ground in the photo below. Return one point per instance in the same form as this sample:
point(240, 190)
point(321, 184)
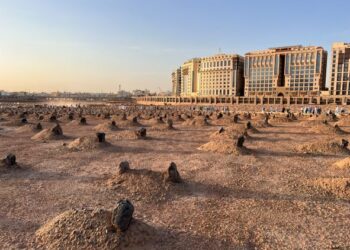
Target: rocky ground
point(271, 197)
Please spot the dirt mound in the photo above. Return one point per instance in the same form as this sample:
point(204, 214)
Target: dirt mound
point(325, 128)
point(128, 134)
point(87, 143)
point(323, 147)
point(257, 116)
point(92, 229)
point(198, 122)
point(106, 127)
point(261, 124)
point(250, 127)
point(179, 118)
point(54, 133)
point(120, 117)
point(280, 119)
point(311, 123)
point(338, 187)
point(232, 132)
point(162, 127)
point(342, 164)
point(326, 117)
point(128, 123)
point(241, 128)
point(16, 123)
point(344, 122)
point(225, 121)
point(224, 147)
point(76, 123)
point(9, 163)
point(155, 121)
point(29, 128)
point(144, 184)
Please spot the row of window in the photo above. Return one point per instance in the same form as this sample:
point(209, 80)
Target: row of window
point(341, 68)
point(261, 89)
point(301, 85)
point(301, 80)
point(294, 58)
point(342, 86)
point(259, 82)
point(223, 63)
point(226, 85)
point(301, 88)
point(214, 77)
point(215, 92)
point(216, 73)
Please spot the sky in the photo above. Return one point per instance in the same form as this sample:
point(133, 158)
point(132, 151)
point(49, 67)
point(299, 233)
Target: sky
point(97, 45)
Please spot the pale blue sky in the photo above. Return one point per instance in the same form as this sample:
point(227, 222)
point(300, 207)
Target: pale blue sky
point(94, 45)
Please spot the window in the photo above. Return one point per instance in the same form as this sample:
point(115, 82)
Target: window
point(276, 64)
point(318, 62)
point(287, 64)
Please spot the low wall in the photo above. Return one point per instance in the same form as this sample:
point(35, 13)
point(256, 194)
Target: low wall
point(232, 101)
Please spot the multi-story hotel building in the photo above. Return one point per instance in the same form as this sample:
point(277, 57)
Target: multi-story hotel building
point(190, 77)
point(221, 75)
point(176, 80)
point(339, 77)
point(293, 70)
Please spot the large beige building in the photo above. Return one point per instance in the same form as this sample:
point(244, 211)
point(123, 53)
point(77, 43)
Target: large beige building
point(190, 77)
point(176, 80)
point(292, 70)
point(339, 77)
point(221, 75)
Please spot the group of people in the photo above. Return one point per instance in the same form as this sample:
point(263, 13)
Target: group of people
point(315, 110)
point(311, 110)
point(272, 109)
point(339, 110)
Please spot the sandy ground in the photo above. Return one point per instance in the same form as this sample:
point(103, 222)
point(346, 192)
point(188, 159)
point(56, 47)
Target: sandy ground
point(256, 201)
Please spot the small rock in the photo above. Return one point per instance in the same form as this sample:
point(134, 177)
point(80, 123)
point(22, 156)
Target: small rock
point(173, 174)
point(344, 143)
point(101, 137)
point(10, 160)
point(170, 123)
point(57, 130)
point(240, 141)
point(122, 215)
point(249, 125)
point(142, 132)
point(83, 121)
point(39, 126)
point(124, 166)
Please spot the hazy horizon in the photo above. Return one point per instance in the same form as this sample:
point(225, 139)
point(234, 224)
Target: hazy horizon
point(93, 46)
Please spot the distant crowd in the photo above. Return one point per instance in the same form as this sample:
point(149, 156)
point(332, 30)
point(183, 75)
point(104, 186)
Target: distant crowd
point(306, 110)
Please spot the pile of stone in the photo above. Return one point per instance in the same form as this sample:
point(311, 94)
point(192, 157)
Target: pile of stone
point(97, 229)
point(144, 184)
point(326, 147)
point(9, 161)
point(53, 133)
point(89, 142)
point(107, 127)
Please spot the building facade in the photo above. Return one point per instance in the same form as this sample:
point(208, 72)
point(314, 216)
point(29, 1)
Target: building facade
point(221, 75)
point(176, 81)
point(190, 77)
point(292, 70)
point(339, 77)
